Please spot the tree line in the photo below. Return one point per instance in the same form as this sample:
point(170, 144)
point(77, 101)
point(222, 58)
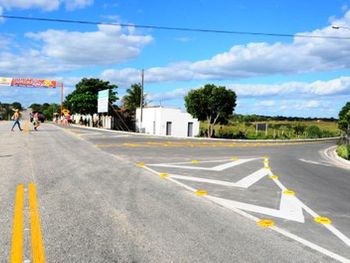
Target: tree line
point(210, 103)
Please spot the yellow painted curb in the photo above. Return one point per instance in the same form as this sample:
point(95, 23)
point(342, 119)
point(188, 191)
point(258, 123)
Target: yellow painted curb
point(289, 192)
point(323, 220)
point(163, 175)
point(234, 158)
point(267, 167)
point(195, 161)
point(140, 164)
point(273, 177)
point(201, 192)
point(265, 223)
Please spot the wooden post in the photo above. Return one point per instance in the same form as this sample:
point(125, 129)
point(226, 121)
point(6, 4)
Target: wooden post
point(62, 87)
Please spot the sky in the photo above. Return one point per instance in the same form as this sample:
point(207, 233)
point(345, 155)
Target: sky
point(271, 75)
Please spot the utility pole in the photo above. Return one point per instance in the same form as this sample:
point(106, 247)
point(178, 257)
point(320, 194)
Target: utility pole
point(62, 87)
point(141, 100)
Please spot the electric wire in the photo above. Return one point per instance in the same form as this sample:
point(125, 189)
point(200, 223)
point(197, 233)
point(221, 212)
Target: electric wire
point(188, 29)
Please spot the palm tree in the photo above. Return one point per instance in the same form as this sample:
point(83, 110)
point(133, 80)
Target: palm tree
point(132, 99)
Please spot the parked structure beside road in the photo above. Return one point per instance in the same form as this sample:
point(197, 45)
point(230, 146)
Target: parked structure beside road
point(158, 120)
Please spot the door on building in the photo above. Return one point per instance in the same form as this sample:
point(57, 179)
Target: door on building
point(168, 128)
point(190, 129)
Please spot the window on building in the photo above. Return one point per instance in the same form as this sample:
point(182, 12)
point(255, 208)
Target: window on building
point(168, 128)
point(190, 129)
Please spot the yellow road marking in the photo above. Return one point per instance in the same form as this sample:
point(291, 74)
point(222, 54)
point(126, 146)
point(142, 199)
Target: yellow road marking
point(323, 220)
point(38, 253)
point(201, 192)
point(265, 223)
point(17, 234)
point(169, 144)
point(289, 192)
point(142, 164)
point(164, 175)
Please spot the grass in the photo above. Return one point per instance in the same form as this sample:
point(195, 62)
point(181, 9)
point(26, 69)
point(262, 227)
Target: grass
point(343, 151)
point(276, 130)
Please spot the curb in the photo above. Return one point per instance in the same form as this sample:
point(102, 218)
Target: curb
point(331, 154)
point(210, 139)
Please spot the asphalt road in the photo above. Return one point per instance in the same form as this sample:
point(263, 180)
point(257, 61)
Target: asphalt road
point(113, 197)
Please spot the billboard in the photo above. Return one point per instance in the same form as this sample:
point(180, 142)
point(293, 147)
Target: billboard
point(102, 101)
point(5, 81)
point(28, 82)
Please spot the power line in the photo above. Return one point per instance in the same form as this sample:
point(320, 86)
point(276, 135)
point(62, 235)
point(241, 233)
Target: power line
point(188, 29)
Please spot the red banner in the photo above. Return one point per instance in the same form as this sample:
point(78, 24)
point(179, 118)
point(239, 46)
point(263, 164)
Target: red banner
point(28, 82)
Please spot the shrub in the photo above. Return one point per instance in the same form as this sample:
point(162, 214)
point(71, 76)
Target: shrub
point(343, 151)
point(313, 131)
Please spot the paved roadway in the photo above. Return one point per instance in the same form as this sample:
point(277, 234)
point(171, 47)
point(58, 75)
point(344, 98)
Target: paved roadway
point(111, 197)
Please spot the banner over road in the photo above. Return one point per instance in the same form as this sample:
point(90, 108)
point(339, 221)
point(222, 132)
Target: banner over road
point(28, 82)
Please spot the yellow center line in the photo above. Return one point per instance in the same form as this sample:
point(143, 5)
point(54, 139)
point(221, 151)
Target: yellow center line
point(17, 234)
point(37, 241)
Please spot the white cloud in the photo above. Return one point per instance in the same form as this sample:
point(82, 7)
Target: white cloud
point(285, 92)
point(317, 88)
point(302, 55)
point(64, 51)
point(310, 104)
point(108, 45)
point(77, 4)
point(46, 5)
point(169, 95)
point(1, 12)
point(183, 39)
point(266, 103)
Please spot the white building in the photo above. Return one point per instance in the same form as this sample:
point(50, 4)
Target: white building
point(159, 120)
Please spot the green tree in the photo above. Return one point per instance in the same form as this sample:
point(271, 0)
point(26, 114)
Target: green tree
point(36, 107)
point(344, 117)
point(17, 105)
point(132, 99)
point(50, 110)
point(211, 103)
point(84, 98)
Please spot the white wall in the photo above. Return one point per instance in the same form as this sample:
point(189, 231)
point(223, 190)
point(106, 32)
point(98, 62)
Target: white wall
point(160, 115)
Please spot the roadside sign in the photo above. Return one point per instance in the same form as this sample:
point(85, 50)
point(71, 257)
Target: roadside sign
point(102, 101)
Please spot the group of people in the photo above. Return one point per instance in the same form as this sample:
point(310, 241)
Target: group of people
point(64, 119)
point(16, 117)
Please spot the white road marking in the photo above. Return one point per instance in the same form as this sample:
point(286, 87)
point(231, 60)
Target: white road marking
point(289, 208)
point(243, 183)
point(217, 168)
point(252, 178)
point(314, 162)
point(330, 227)
point(202, 180)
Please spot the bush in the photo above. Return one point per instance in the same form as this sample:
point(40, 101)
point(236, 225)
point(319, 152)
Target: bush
point(344, 151)
point(313, 131)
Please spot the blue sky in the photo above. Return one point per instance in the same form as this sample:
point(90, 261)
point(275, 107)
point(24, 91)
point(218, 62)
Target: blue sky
point(288, 76)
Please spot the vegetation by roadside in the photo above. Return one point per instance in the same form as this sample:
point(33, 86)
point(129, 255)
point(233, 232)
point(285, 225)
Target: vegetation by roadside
point(343, 151)
point(276, 129)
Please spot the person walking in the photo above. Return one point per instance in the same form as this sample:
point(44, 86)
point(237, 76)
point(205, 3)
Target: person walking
point(36, 121)
point(16, 117)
